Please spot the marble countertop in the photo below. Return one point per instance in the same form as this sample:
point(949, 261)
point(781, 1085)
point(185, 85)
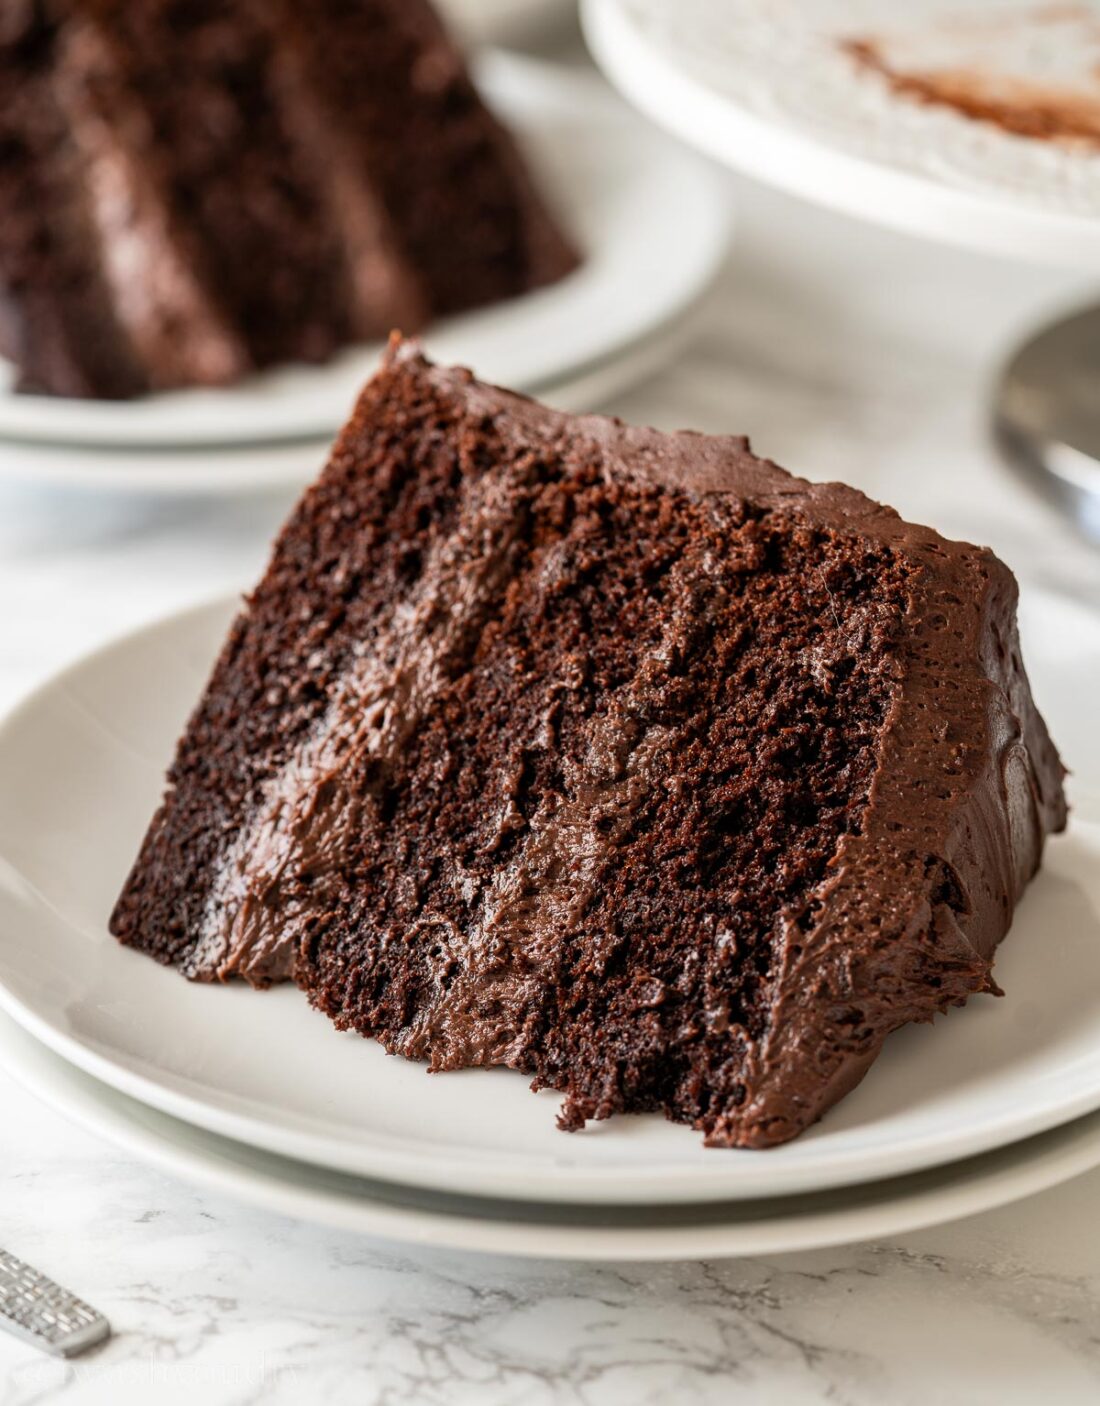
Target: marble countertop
point(844, 352)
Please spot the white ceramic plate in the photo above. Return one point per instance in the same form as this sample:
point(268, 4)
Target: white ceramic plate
point(651, 220)
point(725, 1230)
point(82, 763)
point(507, 21)
point(764, 86)
point(216, 469)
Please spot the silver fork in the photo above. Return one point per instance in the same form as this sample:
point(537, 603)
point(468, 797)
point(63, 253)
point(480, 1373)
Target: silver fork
point(39, 1311)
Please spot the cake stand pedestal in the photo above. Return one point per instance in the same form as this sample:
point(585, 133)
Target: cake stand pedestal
point(1046, 414)
point(765, 87)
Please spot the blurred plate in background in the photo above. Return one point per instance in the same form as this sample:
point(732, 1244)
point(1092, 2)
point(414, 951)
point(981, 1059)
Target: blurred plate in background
point(652, 222)
point(237, 469)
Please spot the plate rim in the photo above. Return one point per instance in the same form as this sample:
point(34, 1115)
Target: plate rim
point(903, 1206)
point(588, 1185)
point(241, 469)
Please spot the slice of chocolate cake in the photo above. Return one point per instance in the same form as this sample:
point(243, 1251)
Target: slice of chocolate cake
point(621, 758)
point(191, 190)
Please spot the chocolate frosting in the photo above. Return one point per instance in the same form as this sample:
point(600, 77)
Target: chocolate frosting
point(920, 888)
point(967, 786)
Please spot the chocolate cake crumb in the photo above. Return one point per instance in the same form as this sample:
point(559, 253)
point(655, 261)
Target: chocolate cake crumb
point(620, 758)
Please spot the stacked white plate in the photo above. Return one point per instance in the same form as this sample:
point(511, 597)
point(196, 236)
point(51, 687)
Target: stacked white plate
point(257, 1095)
point(651, 221)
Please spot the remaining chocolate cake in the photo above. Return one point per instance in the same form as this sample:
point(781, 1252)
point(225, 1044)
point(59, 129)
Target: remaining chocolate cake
point(620, 758)
point(194, 189)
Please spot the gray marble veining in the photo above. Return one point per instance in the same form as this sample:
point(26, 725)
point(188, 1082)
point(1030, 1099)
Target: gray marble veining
point(215, 1302)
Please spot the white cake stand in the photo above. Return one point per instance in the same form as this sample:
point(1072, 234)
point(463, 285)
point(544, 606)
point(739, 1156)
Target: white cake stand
point(770, 88)
point(508, 22)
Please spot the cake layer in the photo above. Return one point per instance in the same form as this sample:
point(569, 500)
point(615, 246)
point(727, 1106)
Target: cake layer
point(184, 90)
point(623, 759)
point(460, 210)
point(57, 320)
